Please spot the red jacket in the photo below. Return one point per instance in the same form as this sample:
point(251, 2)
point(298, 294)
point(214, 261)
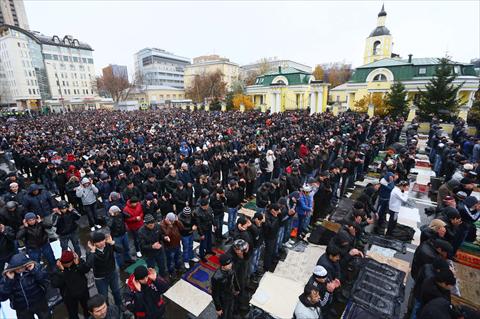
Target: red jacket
point(135, 300)
point(303, 151)
point(132, 223)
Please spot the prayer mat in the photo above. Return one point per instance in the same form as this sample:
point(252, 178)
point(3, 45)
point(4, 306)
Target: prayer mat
point(419, 163)
point(200, 276)
point(139, 262)
point(213, 262)
point(251, 204)
point(420, 188)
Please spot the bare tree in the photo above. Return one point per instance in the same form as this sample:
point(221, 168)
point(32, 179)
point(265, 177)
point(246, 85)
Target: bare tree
point(207, 86)
point(118, 87)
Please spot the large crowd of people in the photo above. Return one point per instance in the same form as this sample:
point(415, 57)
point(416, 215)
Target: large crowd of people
point(150, 183)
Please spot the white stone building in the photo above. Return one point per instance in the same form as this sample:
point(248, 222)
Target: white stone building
point(38, 71)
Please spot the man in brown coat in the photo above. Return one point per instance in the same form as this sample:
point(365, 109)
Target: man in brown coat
point(171, 228)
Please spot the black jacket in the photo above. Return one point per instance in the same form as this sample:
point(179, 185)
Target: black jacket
point(66, 223)
point(13, 219)
point(41, 204)
point(245, 235)
point(257, 235)
point(271, 226)
point(147, 237)
point(7, 243)
point(262, 198)
point(333, 269)
point(438, 308)
point(217, 205)
point(147, 303)
point(188, 221)
point(152, 209)
point(103, 263)
point(425, 272)
point(72, 281)
point(25, 291)
point(117, 224)
point(234, 198)
point(224, 285)
point(430, 290)
point(204, 220)
point(424, 254)
point(33, 236)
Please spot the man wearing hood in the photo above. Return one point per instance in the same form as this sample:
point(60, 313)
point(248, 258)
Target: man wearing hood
point(39, 200)
point(144, 293)
point(87, 192)
point(25, 284)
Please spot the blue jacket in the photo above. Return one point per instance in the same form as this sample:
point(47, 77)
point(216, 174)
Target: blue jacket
point(26, 290)
point(385, 190)
point(304, 205)
point(41, 204)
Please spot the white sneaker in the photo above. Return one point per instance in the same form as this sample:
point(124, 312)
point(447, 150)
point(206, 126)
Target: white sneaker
point(187, 265)
point(288, 245)
point(139, 254)
point(291, 241)
point(195, 259)
point(98, 226)
point(92, 228)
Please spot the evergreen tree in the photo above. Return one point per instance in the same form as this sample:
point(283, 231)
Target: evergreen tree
point(396, 100)
point(440, 97)
point(474, 112)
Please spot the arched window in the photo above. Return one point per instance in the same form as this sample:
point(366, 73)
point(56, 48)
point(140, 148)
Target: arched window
point(281, 82)
point(376, 48)
point(379, 78)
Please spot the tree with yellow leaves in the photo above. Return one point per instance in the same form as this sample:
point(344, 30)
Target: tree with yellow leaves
point(239, 99)
point(378, 101)
point(318, 73)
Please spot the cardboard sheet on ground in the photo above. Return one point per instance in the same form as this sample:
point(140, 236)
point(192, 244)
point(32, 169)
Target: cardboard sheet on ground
point(423, 179)
point(189, 297)
point(468, 281)
point(394, 262)
point(277, 295)
point(298, 266)
point(409, 213)
point(365, 182)
point(411, 217)
point(247, 212)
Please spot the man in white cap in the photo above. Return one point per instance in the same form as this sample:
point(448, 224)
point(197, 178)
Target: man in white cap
point(320, 280)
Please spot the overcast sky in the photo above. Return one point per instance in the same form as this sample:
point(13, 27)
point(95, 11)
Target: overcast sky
point(309, 32)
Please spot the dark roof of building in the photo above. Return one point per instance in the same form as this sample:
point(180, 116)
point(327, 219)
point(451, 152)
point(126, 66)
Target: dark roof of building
point(380, 31)
point(67, 41)
point(382, 12)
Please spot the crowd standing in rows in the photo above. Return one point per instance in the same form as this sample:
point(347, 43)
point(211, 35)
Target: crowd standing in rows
point(163, 179)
